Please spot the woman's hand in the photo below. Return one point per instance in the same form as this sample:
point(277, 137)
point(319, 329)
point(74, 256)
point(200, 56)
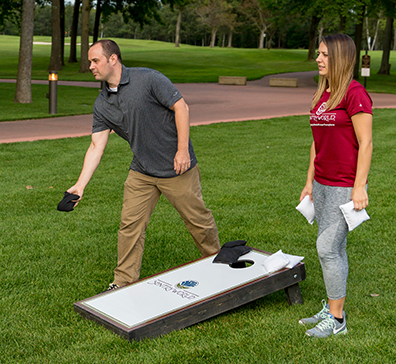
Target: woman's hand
point(360, 198)
point(307, 190)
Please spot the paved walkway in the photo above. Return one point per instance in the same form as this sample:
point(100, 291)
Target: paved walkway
point(209, 103)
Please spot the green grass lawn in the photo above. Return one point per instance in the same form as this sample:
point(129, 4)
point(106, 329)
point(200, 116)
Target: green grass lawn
point(252, 176)
point(71, 100)
point(184, 64)
point(181, 65)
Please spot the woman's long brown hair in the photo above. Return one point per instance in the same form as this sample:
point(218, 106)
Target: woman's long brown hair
point(341, 52)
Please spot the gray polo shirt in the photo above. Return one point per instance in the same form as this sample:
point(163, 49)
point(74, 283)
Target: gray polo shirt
point(139, 112)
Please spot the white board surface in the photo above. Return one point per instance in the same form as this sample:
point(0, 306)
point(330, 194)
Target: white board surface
point(173, 290)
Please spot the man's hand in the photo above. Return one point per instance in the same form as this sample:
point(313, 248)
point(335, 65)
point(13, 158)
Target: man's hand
point(77, 191)
point(182, 162)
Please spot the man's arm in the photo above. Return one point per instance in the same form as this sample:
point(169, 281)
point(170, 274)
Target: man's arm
point(182, 161)
point(91, 161)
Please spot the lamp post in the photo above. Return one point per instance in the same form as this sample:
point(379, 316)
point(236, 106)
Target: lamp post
point(53, 93)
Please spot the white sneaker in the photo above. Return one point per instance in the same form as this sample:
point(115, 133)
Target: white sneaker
point(329, 326)
point(320, 316)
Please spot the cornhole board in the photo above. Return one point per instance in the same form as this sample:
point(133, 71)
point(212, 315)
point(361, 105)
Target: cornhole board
point(188, 294)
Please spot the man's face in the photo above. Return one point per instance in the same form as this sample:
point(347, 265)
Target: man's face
point(100, 66)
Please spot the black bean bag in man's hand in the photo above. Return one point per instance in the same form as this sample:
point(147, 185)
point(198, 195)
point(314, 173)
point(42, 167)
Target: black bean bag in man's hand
point(67, 203)
point(231, 251)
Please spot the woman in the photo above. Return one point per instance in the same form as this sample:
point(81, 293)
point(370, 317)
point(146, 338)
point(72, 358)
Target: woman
point(341, 122)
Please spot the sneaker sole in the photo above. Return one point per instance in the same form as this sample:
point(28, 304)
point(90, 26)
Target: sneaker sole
point(301, 322)
point(343, 332)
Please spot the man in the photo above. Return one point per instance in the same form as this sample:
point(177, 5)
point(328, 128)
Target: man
point(142, 106)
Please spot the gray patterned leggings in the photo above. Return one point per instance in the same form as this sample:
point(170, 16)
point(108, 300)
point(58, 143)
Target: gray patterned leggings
point(332, 237)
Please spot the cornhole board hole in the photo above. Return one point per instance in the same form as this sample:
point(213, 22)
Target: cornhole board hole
point(188, 294)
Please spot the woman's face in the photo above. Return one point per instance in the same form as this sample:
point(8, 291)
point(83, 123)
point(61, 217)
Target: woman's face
point(322, 60)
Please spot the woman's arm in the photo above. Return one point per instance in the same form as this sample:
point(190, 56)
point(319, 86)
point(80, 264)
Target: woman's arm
point(310, 175)
point(362, 124)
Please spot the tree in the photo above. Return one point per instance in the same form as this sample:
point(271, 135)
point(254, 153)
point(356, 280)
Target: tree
point(73, 35)
point(214, 13)
point(10, 16)
point(140, 11)
point(42, 20)
point(358, 40)
point(62, 29)
point(375, 13)
point(178, 25)
point(9, 9)
point(385, 65)
point(179, 5)
point(23, 93)
point(84, 63)
point(334, 16)
point(394, 40)
point(372, 42)
point(98, 13)
point(390, 11)
point(56, 41)
point(259, 13)
point(314, 12)
point(231, 20)
point(315, 20)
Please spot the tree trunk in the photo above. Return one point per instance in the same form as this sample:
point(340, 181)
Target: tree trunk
point(23, 92)
point(342, 23)
point(178, 25)
point(213, 38)
point(269, 42)
point(229, 40)
point(74, 28)
point(385, 66)
point(358, 42)
point(320, 32)
point(97, 20)
point(56, 49)
point(62, 26)
point(371, 47)
point(394, 39)
point(312, 37)
point(367, 34)
point(262, 36)
point(374, 45)
point(84, 63)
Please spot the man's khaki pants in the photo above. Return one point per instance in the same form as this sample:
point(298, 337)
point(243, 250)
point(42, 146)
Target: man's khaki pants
point(141, 194)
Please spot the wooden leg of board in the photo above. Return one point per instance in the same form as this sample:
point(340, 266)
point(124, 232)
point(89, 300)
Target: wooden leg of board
point(293, 294)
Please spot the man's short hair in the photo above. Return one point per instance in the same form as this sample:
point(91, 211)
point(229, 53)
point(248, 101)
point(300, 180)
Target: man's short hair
point(109, 47)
